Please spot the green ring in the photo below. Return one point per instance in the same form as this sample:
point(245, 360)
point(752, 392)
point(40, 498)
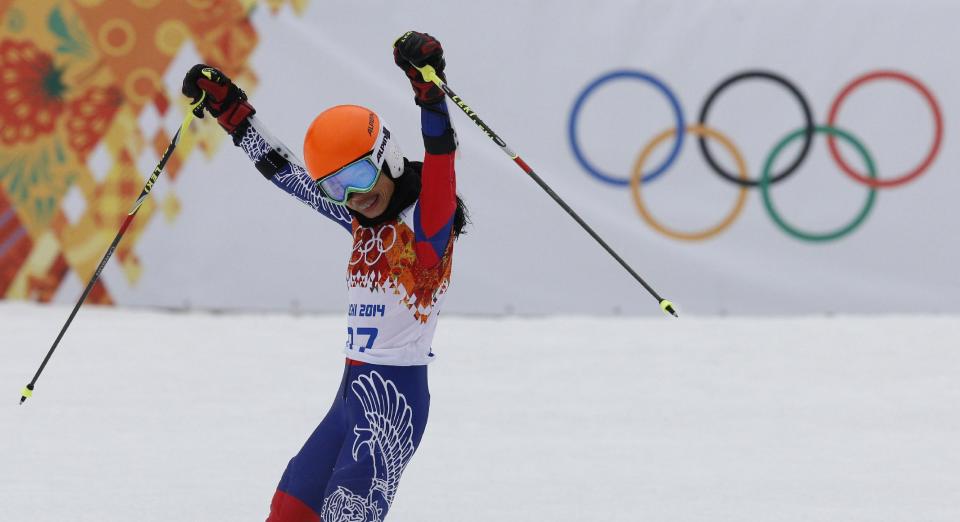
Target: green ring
point(813, 236)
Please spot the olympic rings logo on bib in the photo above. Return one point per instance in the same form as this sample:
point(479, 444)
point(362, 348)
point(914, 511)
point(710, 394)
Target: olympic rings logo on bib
point(641, 174)
point(370, 243)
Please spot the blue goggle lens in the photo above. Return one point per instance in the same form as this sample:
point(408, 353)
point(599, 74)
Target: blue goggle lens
point(359, 176)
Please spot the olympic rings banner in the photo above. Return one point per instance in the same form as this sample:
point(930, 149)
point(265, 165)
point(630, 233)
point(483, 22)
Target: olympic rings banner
point(744, 156)
point(768, 177)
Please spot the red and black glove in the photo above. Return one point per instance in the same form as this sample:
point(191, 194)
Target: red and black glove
point(225, 101)
point(414, 50)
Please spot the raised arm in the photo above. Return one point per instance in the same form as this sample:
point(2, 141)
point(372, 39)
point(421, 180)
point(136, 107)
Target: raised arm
point(438, 195)
point(286, 171)
point(228, 103)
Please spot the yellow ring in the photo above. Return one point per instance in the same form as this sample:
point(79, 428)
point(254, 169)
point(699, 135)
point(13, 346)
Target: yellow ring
point(170, 35)
point(635, 176)
point(116, 50)
point(130, 85)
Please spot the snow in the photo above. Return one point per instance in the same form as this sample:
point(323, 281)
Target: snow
point(157, 416)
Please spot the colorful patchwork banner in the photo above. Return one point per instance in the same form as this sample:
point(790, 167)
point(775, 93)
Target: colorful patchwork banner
point(84, 106)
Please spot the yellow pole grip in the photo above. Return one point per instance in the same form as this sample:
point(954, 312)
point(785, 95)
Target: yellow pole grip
point(430, 74)
point(427, 71)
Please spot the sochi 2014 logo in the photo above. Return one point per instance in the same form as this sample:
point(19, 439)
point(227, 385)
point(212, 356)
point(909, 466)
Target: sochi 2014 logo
point(641, 174)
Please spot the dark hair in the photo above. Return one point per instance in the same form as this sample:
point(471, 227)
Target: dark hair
point(461, 218)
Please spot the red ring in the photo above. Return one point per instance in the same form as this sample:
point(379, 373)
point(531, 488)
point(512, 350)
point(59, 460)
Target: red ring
point(937, 119)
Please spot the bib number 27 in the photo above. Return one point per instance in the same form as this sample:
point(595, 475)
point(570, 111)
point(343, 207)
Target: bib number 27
point(369, 333)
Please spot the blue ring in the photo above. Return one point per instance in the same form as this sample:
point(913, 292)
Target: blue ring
point(614, 75)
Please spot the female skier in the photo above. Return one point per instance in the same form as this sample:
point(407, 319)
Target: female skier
point(404, 217)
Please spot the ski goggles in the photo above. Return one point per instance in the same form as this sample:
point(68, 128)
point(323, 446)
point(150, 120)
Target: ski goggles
point(358, 176)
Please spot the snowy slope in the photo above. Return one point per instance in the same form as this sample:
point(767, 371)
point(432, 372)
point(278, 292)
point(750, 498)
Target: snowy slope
point(153, 416)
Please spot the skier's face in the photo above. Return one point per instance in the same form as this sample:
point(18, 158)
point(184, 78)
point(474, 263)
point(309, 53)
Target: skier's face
point(372, 204)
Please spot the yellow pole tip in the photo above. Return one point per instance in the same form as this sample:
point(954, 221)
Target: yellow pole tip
point(667, 306)
point(26, 393)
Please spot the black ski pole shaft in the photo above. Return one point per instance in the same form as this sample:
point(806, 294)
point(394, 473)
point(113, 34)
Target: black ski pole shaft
point(191, 113)
point(430, 75)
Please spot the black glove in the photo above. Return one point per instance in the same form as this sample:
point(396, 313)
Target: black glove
point(225, 101)
point(414, 50)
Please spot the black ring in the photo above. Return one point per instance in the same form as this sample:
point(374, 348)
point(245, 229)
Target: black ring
point(807, 115)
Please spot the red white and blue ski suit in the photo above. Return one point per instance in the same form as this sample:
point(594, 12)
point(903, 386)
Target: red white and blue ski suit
point(397, 275)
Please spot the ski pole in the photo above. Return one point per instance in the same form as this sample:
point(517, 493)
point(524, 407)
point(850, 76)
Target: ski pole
point(195, 110)
point(430, 75)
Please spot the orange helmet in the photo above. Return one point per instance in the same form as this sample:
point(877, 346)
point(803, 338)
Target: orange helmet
point(345, 134)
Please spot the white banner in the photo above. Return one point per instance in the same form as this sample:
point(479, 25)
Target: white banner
point(580, 90)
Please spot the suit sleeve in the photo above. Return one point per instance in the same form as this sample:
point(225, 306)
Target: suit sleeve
point(275, 161)
point(433, 218)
